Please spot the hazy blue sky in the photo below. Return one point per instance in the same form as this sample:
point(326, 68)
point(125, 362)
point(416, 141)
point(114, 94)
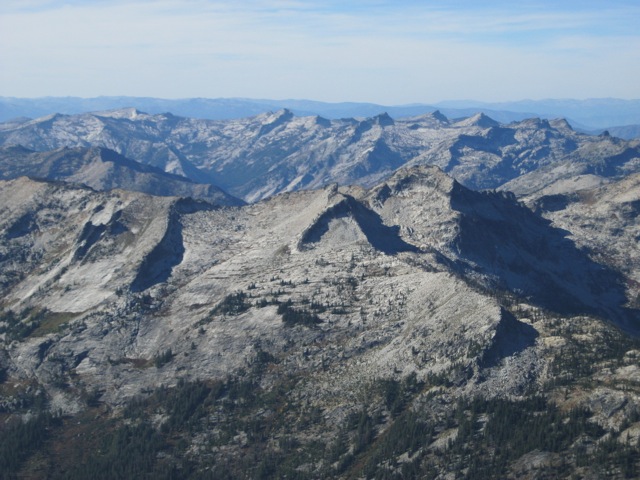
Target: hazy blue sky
point(389, 52)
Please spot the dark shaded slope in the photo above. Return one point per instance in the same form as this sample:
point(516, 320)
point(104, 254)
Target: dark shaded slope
point(499, 244)
point(522, 252)
point(382, 237)
point(104, 169)
point(158, 265)
point(512, 337)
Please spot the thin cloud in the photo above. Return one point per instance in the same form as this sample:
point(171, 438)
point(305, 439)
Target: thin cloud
point(400, 52)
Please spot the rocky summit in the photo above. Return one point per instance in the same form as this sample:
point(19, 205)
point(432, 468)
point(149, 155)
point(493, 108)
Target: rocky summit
point(408, 327)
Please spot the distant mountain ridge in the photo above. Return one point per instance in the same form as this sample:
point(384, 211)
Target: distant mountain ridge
point(259, 156)
point(592, 115)
point(104, 169)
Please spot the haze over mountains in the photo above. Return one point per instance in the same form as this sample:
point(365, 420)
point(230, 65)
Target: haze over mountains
point(621, 117)
point(371, 313)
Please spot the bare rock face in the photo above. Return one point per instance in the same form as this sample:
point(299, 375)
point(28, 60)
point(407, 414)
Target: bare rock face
point(136, 275)
point(70, 248)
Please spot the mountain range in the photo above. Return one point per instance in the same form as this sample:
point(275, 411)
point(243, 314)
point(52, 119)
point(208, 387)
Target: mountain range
point(418, 297)
point(256, 157)
point(620, 117)
point(104, 169)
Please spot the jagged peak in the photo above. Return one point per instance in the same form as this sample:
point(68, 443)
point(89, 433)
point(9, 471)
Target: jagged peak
point(366, 224)
point(535, 122)
point(276, 117)
point(272, 120)
point(321, 121)
point(409, 180)
point(431, 119)
point(438, 115)
point(478, 120)
point(419, 175)
point(383, 119)
point(561, 124)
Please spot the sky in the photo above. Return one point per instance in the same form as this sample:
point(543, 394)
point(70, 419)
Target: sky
point(386, 52)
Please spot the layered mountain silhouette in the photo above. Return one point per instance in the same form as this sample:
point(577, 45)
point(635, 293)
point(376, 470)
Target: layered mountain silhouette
point(390, 322)
point(104, 169)
point(253, 158)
